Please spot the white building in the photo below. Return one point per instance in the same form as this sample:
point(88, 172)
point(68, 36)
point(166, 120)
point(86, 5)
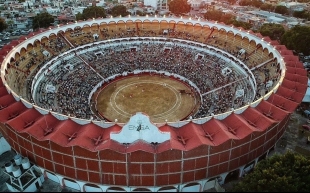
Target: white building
point(52, 11)
point(134, 10)
point(150, 10)
point(99, 3)
point(76, 10)
point(295, 6)
point(195, 4)
point(158, 5)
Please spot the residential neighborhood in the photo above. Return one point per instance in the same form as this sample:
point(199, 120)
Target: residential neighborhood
point(19, 14)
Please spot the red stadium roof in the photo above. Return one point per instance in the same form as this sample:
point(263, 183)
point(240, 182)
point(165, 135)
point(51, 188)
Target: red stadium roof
point(22, 38)
point(286, 52)
point(271, 111)
point(11, 112)
point(282, 103)
point(295, 64)
point(295, 86)
point(256, 119)
point(296, 71)
point(43, 127)
point(293, 58)
point(274, 42)
point(3, 91)
point(302, 79)
point(24, 119)
point(281, 47)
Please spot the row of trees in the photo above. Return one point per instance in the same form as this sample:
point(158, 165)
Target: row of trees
point(44, 20)
point(95, 12)
point(3, 24)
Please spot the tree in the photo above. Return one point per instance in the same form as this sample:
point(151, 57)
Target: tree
point(244, 25)
point(274, 31)
point(10, 23)
point(228, 19)
point(297, 39)
point(254, 3)
point(119, 10)
point(140, 13)
point(90, 13)
point(289, 172)
point(231, 2)
point(79, 16)
point(42, 20)
point(267, 7)
point(299, 14)
point(215, 15)
point(3, 24)
point(302, 14)
point(281, 10)
point(179, 7)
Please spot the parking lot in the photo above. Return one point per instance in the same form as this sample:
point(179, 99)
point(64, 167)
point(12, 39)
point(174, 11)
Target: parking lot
point(6, 37)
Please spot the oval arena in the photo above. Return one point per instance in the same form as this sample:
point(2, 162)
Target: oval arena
point(147, 103)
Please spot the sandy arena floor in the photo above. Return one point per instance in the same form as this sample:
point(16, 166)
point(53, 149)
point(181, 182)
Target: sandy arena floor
point(156, 96)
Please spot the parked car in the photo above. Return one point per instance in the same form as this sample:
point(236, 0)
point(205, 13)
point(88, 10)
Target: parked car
point(306, 127)
point(307, 113)
point(24, 32)
point(7, 34)
point(6, 38)
point(15, 33)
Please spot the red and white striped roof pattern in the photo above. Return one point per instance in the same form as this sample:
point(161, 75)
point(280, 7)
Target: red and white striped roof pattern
point(214, 132)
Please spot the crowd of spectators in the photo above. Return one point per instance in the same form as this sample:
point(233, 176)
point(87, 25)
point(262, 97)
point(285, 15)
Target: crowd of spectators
point(217, 90)
point(57, 45)
point(73, 83)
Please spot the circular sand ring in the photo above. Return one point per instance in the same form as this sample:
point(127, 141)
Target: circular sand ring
point(156, 96)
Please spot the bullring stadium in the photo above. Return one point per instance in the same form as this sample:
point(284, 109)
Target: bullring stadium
point(147, 103)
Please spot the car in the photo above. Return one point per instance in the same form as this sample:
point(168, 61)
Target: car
point(6, 38)
point(15, 33)
point(306, 127)
point(307, 113)
point(24, 32)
